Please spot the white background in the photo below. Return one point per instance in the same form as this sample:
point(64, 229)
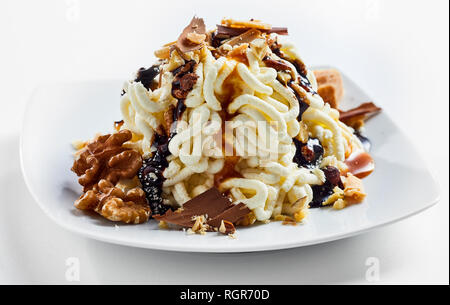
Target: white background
point(398, 51)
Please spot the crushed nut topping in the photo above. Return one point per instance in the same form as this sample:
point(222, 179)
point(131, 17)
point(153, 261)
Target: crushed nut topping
point(354, 189)
point(252, 24)
point(196, 38)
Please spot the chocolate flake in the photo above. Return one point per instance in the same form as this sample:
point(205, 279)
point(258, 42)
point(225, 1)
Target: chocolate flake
point(184, 80)
point(225, 32)
point(188, 81)
point(365, 110)
point(276, 64)
point(211, 204)
point(183, 44)
point(246, 37)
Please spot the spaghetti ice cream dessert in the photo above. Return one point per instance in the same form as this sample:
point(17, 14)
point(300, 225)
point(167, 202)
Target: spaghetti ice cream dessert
point(227, 128)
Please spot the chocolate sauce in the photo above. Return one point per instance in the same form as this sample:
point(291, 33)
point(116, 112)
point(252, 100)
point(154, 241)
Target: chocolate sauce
point(179, 110)
point(308, 154)
point(182, 84)
point(151, 174)
point(322, 192)
point(301, 101)
point(147, 76)
point(364, 140)
point(299, 66)
point(303, 107)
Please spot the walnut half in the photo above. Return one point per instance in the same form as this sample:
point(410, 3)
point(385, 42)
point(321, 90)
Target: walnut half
point(115, 204)
point(106, 158)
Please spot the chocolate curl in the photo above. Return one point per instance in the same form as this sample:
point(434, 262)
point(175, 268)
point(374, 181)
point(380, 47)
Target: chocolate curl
point(365, 111)
point(183, 44)
point(227, 32)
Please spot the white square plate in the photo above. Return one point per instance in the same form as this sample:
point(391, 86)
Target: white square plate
point(400, 187)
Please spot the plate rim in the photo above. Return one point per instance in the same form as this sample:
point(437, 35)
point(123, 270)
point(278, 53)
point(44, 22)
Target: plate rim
point(205, 249)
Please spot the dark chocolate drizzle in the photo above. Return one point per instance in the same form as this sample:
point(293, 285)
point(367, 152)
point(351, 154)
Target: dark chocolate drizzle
point(147, 76)
point(308, 155)
point(151, 174)
point(322, 192)
point(367, 144)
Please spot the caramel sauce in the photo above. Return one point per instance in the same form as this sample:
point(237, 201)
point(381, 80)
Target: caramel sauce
point(232, 88)
point(228, 170)
point(360, 164)
point(239, 54)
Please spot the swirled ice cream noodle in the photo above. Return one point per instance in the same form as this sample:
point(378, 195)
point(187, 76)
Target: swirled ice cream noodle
point(262, 118)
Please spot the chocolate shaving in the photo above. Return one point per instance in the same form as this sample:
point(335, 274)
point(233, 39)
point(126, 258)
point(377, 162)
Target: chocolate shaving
point(188, 81)
point(183, 44)
point(184, 80)
point(279, 31)
point(246, 37)
point(365, 111)
point(211, 204)
point(276, 64)
point(233, 215)
point(187, 67)
point(228, 32)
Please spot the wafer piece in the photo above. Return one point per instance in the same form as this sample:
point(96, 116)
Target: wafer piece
point(330, 86)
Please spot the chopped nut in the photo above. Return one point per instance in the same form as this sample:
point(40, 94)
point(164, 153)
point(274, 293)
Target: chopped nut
point(303, 135)
point(226, 227)
point(354, 189)
point(247, 220)
point(339, 204)
point(163, 225)
point(196, 38)
point(77, 144)
point(163, 53)
point(252, 24)
point(337, 194)
point(296, 207)
point(286, 220)
point(184, 44)
point(222, 228)
point(232, 236)
point(284, 77)
point(299, 216)
point(200, 226)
